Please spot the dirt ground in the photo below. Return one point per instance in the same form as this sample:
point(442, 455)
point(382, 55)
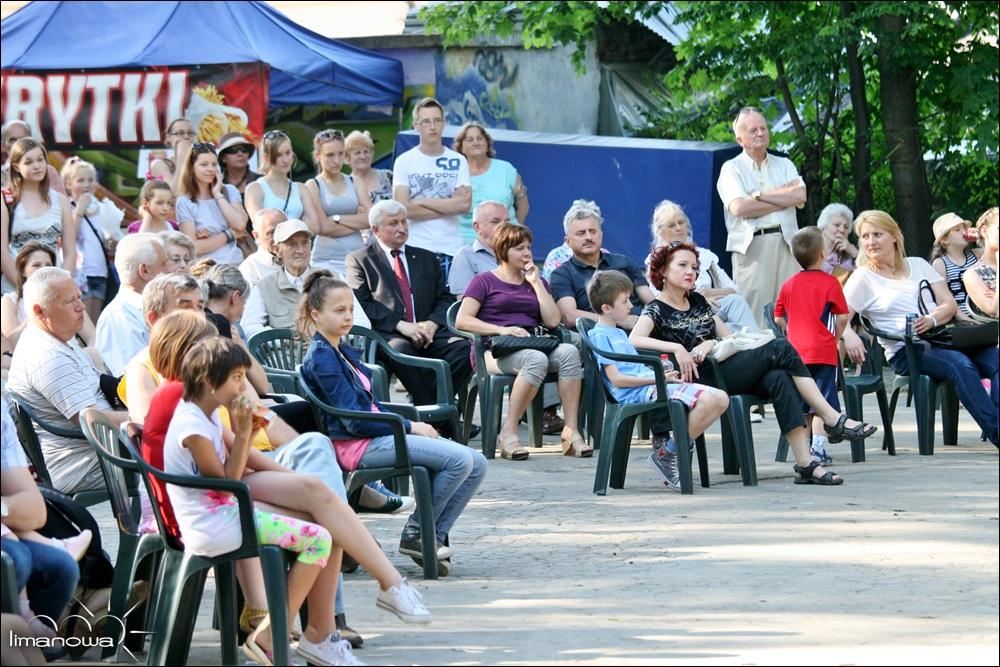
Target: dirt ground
point(897, 566)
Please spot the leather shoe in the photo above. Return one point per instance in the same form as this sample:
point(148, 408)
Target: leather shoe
point(552, 423)
point(348, 633)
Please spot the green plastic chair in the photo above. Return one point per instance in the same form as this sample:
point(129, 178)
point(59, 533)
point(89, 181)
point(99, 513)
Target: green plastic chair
point(182, 574)
point(402, 467)
point(24, 417)
point(8, 577)
point(121, 475)
point(924, 391)
point(445, 410)
point(490, 390)
point(619, 420)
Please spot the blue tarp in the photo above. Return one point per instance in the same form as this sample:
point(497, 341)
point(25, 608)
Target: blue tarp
point(306, 68)
point(626, 177)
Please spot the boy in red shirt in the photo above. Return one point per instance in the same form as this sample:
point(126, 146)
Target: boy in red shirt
point(813, 312)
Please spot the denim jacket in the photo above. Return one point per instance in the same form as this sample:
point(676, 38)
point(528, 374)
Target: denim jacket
point(329, 371)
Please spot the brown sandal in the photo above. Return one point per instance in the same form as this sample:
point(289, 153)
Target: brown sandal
point(577, 447)
point(517, 453)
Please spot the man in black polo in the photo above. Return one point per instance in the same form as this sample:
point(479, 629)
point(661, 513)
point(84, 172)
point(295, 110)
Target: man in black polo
point(569, 281)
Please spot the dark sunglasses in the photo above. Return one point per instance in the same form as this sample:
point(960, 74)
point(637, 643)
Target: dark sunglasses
point(238, 148)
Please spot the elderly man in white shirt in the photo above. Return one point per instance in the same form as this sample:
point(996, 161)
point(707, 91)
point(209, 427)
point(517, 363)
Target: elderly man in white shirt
point(264, 261)
point(121, 328)
point(759, 193)
point(57, 379)
point(274, 302)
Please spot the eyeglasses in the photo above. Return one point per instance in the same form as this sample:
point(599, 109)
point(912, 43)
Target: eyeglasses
point(239, 148)
point(428, 122)
point(746, 110)
point(179, 259)
point(327, 135)
point(183, 133)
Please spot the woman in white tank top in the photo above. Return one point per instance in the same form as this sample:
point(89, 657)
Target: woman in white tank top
point(39, 212)
point(276, 189)
point(345, 216)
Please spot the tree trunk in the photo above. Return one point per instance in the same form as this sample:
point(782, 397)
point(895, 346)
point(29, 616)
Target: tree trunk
point(898, 92)
point(811, 168)
point(861, 165)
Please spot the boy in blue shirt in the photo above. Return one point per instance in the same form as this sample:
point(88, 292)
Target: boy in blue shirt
point(610, 295)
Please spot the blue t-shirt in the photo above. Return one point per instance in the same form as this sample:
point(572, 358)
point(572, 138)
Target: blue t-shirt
point(616, 340)
point(496, 183)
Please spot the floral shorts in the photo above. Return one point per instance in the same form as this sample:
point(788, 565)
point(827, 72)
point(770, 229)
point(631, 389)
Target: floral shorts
point(310, 541)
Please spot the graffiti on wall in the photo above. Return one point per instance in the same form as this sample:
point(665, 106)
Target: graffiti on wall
point(480, 90)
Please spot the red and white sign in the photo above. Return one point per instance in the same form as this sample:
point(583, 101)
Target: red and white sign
point(130, 108)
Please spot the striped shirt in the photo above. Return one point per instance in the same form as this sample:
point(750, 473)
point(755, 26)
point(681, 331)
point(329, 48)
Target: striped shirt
point(953, 274)
point(58, 381)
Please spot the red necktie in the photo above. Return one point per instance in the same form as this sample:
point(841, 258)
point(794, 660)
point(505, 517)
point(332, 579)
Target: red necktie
point(404, 285)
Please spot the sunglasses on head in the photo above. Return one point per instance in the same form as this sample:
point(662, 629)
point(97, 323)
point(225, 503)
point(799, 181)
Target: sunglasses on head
point(275, 134)
point(204, 147)
point(327, 135)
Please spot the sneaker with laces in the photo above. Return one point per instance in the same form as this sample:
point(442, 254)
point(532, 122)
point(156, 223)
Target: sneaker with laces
point(664, 463)
point(331, 651)
point(404, 601)
point(659, 441)
point(413, 547)
point(820, 456)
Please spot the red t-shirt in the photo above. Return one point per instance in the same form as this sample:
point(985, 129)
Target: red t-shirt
point(154, 431)
point(810, 301)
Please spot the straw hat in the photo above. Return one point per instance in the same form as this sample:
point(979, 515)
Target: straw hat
point(945, 224)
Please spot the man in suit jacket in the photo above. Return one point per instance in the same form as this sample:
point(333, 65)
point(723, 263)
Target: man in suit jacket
point(403, 291)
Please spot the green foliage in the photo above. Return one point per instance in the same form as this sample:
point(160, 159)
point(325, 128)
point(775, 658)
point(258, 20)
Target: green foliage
point(791, 56)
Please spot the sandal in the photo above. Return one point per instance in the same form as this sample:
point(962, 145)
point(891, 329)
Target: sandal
point(839, 431)
point(807, 475)
point(517, 453)
point(253, 651)
point(570, 448)
point(251, 617)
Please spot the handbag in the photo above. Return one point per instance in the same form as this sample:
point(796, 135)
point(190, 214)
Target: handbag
point(541, 339)
point(956, 335)
point(741, 341)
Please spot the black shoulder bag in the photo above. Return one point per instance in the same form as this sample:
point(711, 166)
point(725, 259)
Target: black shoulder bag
point(956, 335)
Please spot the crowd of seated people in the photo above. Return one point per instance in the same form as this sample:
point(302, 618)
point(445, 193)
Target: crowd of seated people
point(221, 253)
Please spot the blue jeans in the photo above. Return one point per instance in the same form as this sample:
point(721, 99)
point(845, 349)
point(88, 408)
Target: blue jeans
point(735, 312)
point(964, 372)
point(50, 574)
point(312, 454)
point(456, 472)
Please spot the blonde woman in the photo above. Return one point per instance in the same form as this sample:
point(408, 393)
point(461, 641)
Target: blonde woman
point(276, 189)
point(373, 185)
point(885, 288)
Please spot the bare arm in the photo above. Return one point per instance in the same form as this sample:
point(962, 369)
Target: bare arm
point(620, 379)
point(414, 211)
point(520, 200)
point(88, 331)
point(783, 324)
point(786, 196)
point(139, 390)
point(23, 499)
point(570, 313)
point(986, 300)
point(938, 265)
point(70, 227)
point(467, 320)
point(205, 245)
point(457, 204)
point(6, 259)
point(233, 212)
point(9, 324)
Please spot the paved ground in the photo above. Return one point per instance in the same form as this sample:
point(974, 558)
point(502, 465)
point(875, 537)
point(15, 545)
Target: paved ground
point(897, 566)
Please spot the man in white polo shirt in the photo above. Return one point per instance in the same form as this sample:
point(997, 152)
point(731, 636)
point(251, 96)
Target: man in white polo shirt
point(760, 193)
point(433, 183)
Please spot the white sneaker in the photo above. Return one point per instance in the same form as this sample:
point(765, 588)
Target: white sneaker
point(756, 418)
point(404, 601)
point(331, 651)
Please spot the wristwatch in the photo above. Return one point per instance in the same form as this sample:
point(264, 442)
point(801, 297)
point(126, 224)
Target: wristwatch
point(336, 218)
point(755, 194)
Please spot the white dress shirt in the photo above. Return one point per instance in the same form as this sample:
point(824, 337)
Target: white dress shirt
point(121, 331)
point(742, 176)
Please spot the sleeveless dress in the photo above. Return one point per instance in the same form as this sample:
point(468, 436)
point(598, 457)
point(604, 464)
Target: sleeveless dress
point(331, 253)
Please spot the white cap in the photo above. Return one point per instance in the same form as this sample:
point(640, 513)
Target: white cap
point(289, 228)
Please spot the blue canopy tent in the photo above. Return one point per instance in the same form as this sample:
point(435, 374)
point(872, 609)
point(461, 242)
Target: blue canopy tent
point(306, 68)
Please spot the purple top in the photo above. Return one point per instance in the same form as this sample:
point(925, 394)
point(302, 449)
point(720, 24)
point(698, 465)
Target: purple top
point(836, 260)
point(505, 304)
point(134, 227)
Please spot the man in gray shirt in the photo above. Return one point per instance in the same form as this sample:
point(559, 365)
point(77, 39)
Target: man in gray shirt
point(478, 256)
